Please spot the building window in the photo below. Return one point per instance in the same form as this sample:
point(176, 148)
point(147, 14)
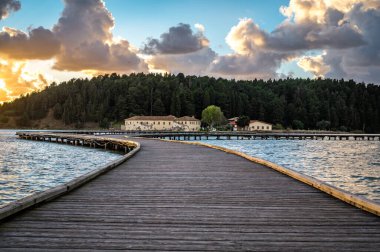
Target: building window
point(267, 127)
point(262, 127)
point(163, 123)
point(158, 123)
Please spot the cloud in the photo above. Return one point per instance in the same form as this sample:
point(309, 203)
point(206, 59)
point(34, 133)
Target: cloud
point(7, 6)
point(180, 50)
point(178, 40)
point(195, 63)
point(348, 31)
point(15, 80)
point(315, 65)
point(315, 24)
point(39, 43)
point(82, 41)
point(289, 36)
point(200, 27)
point(85, 31)
point(4, 96)
point(246, 37)
point(310, 36)
point(251, 58)
point(256, 65)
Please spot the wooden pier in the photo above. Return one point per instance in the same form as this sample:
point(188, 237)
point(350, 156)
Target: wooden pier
point(255, 136)
point(179, 197)
point(80, 140)
point(229, 135)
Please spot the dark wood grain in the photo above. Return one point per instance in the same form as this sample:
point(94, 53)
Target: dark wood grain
point(172, 196)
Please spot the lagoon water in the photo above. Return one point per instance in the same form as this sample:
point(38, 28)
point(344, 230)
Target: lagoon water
point(27, 167)
point(350, 165)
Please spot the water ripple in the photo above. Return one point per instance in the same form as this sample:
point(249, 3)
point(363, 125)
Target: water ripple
point(351, 165)
point(27, 167)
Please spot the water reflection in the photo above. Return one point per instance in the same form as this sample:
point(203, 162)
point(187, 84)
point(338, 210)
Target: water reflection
point(27, 167)
point(351, 165)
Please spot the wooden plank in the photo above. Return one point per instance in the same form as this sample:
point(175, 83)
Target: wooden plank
point(171, 196)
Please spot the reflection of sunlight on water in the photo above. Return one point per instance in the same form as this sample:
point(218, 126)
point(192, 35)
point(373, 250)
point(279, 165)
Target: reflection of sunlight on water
point(351, 165)
point(27, 167)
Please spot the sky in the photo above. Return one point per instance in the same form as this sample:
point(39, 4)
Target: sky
point(56, 40)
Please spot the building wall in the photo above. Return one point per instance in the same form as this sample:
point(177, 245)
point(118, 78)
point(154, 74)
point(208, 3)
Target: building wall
point(190, 125)
point(148, 125)
point(159, 125)
point(259, 126)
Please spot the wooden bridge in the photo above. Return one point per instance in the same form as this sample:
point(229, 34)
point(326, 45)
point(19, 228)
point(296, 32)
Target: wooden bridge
point(229, 135)
point(255, 136)
point(80, 140)
point(179, 197)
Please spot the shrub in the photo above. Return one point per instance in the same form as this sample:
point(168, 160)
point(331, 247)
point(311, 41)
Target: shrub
point(297, 124)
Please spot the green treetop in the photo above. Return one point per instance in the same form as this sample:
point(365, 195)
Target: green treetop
point(243, 121)
point(212, 115)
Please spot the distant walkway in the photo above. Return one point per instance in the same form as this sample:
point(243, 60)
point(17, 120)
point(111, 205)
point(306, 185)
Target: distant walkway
point(172, 196)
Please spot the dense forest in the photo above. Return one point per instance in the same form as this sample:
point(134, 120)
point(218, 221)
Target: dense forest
point(287, 103)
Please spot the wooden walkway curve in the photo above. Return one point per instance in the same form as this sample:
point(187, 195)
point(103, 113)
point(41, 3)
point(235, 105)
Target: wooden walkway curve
point(172, 196)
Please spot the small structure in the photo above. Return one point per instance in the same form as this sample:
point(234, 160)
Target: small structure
point(162, 123)
point(232, 121)
point(254, 125)
point(259, 126)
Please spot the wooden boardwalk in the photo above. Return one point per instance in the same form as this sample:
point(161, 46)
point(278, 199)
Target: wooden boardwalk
point(172, 196)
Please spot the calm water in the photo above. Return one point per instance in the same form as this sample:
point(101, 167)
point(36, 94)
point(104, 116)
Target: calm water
point(27, 167)
point(351, 165)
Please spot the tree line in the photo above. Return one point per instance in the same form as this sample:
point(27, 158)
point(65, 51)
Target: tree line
point(287, 103)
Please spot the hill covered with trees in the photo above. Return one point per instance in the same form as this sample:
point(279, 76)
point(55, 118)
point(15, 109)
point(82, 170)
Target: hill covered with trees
point(289, 103)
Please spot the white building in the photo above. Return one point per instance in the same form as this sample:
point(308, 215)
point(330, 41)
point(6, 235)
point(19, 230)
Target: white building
point(162, 123)
point(254, 125)
point(188, 123)
point(259, 125)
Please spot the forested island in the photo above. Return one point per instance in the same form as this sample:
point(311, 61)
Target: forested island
point(105, 100)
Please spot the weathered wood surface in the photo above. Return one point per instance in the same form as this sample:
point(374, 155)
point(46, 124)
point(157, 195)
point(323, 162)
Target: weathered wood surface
point(246, 135)
point(172, 196)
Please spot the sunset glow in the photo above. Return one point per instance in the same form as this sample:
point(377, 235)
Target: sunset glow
point(290, 38)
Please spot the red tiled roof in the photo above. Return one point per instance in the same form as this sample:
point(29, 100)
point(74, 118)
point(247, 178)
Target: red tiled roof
point(152, 118)
point(187, 118)
point(252, 121)
point(161, 118)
